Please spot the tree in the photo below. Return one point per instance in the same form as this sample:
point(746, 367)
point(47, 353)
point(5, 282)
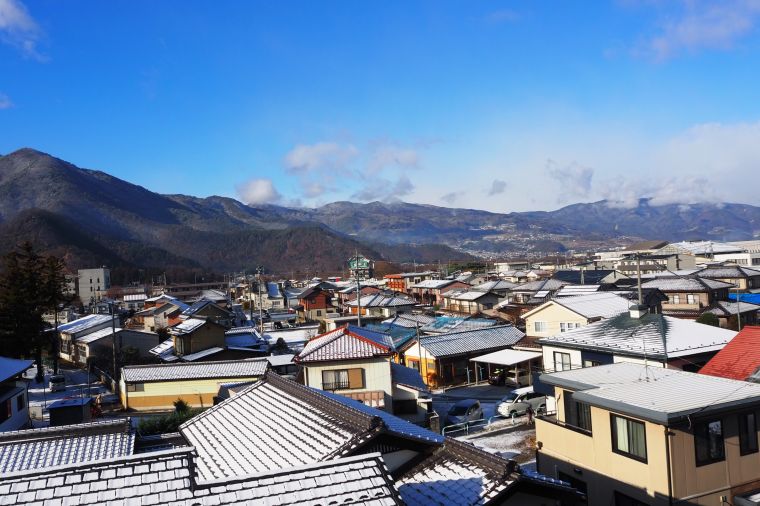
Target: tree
point(29, 285)
point(708, 319)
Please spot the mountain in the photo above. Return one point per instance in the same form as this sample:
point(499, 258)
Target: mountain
point(92, 218)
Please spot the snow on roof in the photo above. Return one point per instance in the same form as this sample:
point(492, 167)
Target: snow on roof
point(655, 393)
point(705, 247)
point(243, 337)
point(135, 297)
point(187, 326)
point(541, 284)
point(727, 308)
point(469, 341)
point(381, 300)
point(467, 294)
point(494, 285)
point(408, 377)
point(572, 290)
point(410, 320)
point(294, 426)
point(593, 305)
point(167, 477)
point(507, 357)
point(10, 367)
point(54, 446)
point(192, 357)
point(433, 284)
point(97, 335)
point(169, 372)
point(624, 335)
point(346, 343)
point(84, 323)
point(692, 284)
point(445, 324)
point(280, 360)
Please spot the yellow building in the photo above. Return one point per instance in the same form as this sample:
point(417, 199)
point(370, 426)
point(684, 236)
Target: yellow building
point(567, 313)
point(156, 387)
point(631, 435)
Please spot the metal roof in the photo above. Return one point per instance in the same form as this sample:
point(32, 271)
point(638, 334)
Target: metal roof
point(408, 377)
point(98, 334)
point(507, 357)
point(187, 326)
point(84, 323)
point(433, 284)
point(10, 367)
point(740, 358)
point(189, 371)
point(469, 341)
point(593, 305)
point(693, 284)
point(655, 393)
point(380, 300)
point(624, 335)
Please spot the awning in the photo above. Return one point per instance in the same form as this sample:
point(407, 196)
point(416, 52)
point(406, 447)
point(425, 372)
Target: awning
point(507, 357)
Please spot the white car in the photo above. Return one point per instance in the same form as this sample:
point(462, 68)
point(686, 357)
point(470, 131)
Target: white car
point(517, 401)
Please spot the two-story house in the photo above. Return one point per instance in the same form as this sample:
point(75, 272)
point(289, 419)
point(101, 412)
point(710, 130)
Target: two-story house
point(633, 435)
point(380, 304)
point(205, 308)
point(567, 313)
point(14, 403)
point(314, 304)
point(197, 334)
point(431, 291)
point(73, 330)
point(689, 297)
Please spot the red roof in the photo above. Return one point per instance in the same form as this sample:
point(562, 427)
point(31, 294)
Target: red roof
point(739, 359)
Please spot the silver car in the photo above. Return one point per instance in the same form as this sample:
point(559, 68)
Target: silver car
point(517, 401)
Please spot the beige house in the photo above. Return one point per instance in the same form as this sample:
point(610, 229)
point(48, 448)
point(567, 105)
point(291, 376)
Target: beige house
point(155, 387)
point(357, 363)
point(627, 434)
point(567, 313)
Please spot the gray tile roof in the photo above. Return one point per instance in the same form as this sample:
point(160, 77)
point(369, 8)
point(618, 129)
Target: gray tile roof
point(469, 341)
point(168, 372)
point(595, 305)
point(166, 478)
point(53, 446)
point(278, 423)
point(675, 283)
point(381, 300)
point(458, 473)
point(346, 343)
point(623, 335)
point(728, 272)
point(655, 393)
point(727, 308)
point(541, 284)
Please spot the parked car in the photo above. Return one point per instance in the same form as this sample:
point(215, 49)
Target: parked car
point(57, 383)
point(517, 401)
point(466, 410)
point(498, 377)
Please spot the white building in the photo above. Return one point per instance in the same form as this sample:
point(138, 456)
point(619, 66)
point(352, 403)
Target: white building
point(92, 283)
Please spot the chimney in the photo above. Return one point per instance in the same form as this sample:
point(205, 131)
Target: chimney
point(637, 311)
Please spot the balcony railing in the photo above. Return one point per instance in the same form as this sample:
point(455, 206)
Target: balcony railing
point(337, 385)
point(552, 419)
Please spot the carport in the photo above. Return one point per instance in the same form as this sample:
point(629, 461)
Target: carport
point(519, 365)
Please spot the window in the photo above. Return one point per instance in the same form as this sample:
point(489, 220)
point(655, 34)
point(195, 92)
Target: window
point(319, 312)
point(135, 387)
point(591, 363)
point(577, 413)
point(690, 299)
point(561, 361)
point(629, 438)
point(540, 326)
point(562, 327)
point(20, 405)
point(342, 379)
point(708, 442)
point(414, 364)
point(747, 433)
point(675, 299)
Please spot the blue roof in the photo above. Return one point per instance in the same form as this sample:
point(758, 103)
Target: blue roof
point(380, 338)
point(407, 376)
point(65, 403)
point(197, 306)
point(392, 423)
point(273, 291)
point(533, 475)
point(753, 298)
point(400, 335)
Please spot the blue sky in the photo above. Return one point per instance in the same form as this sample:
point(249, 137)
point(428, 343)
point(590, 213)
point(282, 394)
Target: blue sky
point(504, 106)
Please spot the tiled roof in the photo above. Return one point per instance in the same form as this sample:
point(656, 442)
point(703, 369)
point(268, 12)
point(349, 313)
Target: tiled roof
point(166, 478)
point(655, 393)
point(674, 283)
point(346, 343)
point(469, 341)
point(458, 473)
point(623, 335)
point(541, 284)
point(380, 300)
point(53, 446)
point(408, 377)
point(410, 320)
point(84, 323)
point(169, 372)
point(494, 285)
point(739, 359)
point(196, 306)
point(467, 294)
point(728, 308)
point(728, 272)
point(276, 424)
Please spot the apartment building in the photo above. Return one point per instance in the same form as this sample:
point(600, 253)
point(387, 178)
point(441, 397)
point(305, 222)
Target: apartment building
point(92, 283)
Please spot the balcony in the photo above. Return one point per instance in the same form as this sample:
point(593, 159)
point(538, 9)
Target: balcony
point(564, 441)
point(338, 385)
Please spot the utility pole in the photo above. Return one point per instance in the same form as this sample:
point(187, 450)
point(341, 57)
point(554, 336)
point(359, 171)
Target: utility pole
point(638, 277)
point(259, 269)
point(113, 347)
point(358, 290)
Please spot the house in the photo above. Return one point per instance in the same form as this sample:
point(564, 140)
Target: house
point(469, 301)
point(430, 292)
point(157, 386)
point(743, 278)
point(33, 449)
point(739, 359)
point(134, 301)
point(380, 304)
point(194, 335)
point(100, 344)
point(92, 284)
point(154, 317)
point(655, 263)
point(688, 297)
point(566, 313)
point(535, 293)
point(70, 332)
point(357, 363)
point(512, 265)
point(314, 304)
point(500, 287)
point(630, 434)
point(727, 312)
point(209, 310)
point(404, 281)
point(14, 403)
point(444, 359)
point(635, 336)
point(590, 276)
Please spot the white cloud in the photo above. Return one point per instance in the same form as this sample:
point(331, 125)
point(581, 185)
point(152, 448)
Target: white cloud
point(320, 156)
point(385, 190)
point(258, 191)
point(626, 193)
point(574, 179)
point(312, 189)
point(19, 29)
point(703, 25)
point(451, 198)
point(497, 187)
point(384, 155)
point(5, 102)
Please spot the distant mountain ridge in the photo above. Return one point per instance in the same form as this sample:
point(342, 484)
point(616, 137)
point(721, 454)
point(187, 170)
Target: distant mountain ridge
point(92, 216)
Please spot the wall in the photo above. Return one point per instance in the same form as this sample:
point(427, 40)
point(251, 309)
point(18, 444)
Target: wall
point(377, 375)
point(198, 393)
point(19, 418)
point(576, 361)
point(553, 314)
